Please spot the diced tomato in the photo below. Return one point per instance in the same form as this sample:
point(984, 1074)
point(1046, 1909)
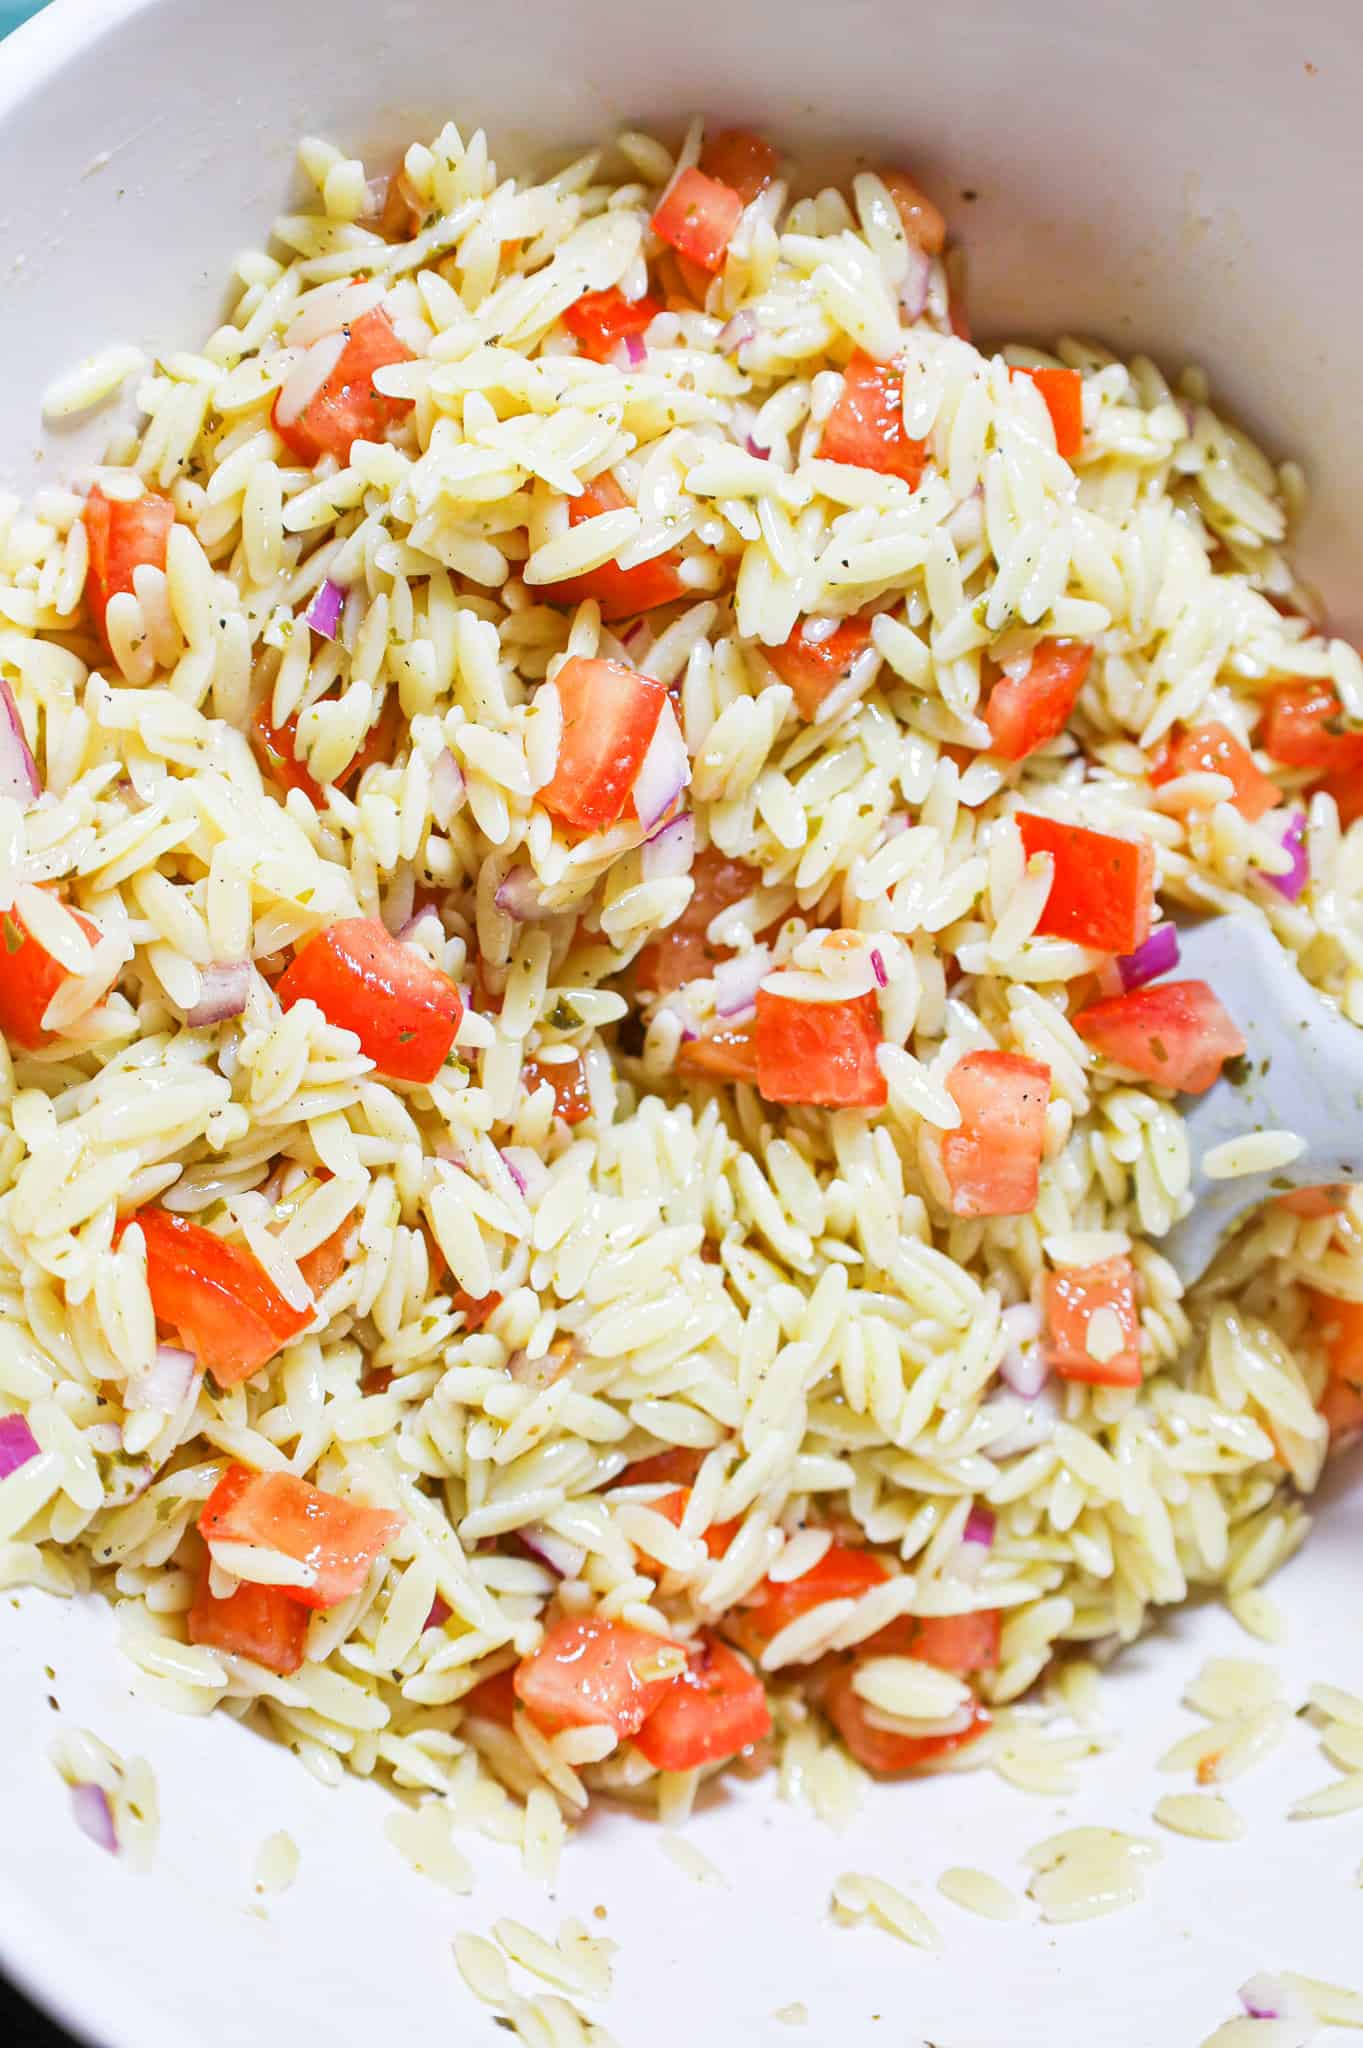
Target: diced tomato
point(682, 953)
point(1313, 1203)
point(259, 1622)
point(326, 1262)
point(866, 426)
point(621, 593)
point(1341, 1324)
point(1347, 791)
point(568, 1079)
point(1063, 392)
point(476, 1308)
point(993, 1160)
point(216, 1297)
point(1074, 1296)
point(589, 1672)
point(1305, 727)
point(29, 978)
point(348, 408)
point(676, 1466)
point(402, 212)
point(953, 1642)
point(610, 714)
point(923, 222)
point(404, 1012)
point(842, 1573)
point(494, 1699)
point(123, 534)
point(672, 1506)
point(338, 1538)
point(1213, 749)
point(1027, 711)
point(698, 216)
point(276, 748)
point(716, 1708)
point(815, 662)
point(600, 321)
point(1103, 892)
point(727, 1053)
point(746, 162)
point(1175, 1032)
point(879, 1749)
point(819, 1052)
point(1342, 1407)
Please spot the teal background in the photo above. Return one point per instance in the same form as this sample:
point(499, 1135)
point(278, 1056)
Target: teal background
point(12, 12)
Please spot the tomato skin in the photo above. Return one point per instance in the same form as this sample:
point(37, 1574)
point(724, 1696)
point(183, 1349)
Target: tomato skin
point(123, 535)
point(727, 1053)
point(993, 1161)
point(1028, 711)
point(216, 1297)
point(1341, 1404)
point(476, 1307)
point(746, 163)
point(681, 952)
point(1103, 892)
point(814, 668)
point(568, 1079)
point(879, 1749)
point(347, 408)
point(259, 1622)
point(844, 1572)
point(275, 1511)
point(953, 1642)
point(823, 1053)
point(621, 593)
point(29, 978)
point(404, 1012)
point(1305, 727)
point(715, 1709)
point(610, 714)
point(1074, 1294)
point(923, 222)
point(866, 426)
point(698, 217)
point(676, 1466)
point(1173, 1032)
point(600, 321)
point(584, 1675)
point(493, 1699)
point(1213, 749)
point(1063, 392)
point(325, 1263)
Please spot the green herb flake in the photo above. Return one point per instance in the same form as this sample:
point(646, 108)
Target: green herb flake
point(14, 938)
point(563, 1017)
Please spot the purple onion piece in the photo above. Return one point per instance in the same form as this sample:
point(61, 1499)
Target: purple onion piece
point(94, 1816)
point(223, 991)
point(1026, 1372)
point(1298, 875)
point(165, 1383)
point(913, 292)
point(635, 350)
point(564, 1559)
point(1154, 956)
point(878, 968)
point(519, 897)
point(17, 1444)
point(736, 333)
point(439, 1614)
point(324, 613)
point(671, 851)
point(737, 981)
point(979, 1527)
point(18, 769)
point(515, 1172)
point(755, 448)
point(664, 771)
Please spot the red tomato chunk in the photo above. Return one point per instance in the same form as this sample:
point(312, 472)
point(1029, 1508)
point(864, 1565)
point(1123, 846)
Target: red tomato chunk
point(29, 978)
point(881, 1749)
point(682, 952)
point(1028, 711)
point(747, 163)
point(698, 217)
point(1177, 1033)
point(621, 593)
point(715, 1709)
point(568, 1079)
point(404, 1012)
point(339, 1539)
point(494, 1699)
point(348, 408)
point(610, 714)
point(814, 660)
point(1213, 749)
point(1104, 888)
point(923, 222)
point(993, 1160)
point(259, 1622)
point(1341, 1325)
point(276, 748)
point(1063, 392)
point(589, 1673)
point(823, 1053)
point(842, 1573)
point(600, 321)
point(866, 426)
point(123, 535)
point(216, 1297)
point(1075, 1347)
point(953, 1642)
point(1305, 727)
point(727, 1053)
point(672, 1506)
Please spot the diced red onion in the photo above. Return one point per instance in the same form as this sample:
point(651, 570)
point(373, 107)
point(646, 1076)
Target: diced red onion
point(1157, 955)
point(94, 1816)
point(1021, 1425)
point(165, 1383)
point(878, 968)
point(563, 1558)
point(671, 851)
point(633, 633)
point(410, 925)
point(913, 292)
point(223, 991)
point(755, 448)
point(979, 1527)
point(538, 1372)
point(737, 980)
point(375, 198)
point(1298, 875)
point(527, 1169)
point(519, 897)
point(635, 350)
point(515, 1172)
point(439, 1614)
point(1267, 1997)
point(448, 789)
point(736, 333)
point(18, 769)
point(17, 1444)
point(1026, 1372)
point(664, 771)
point(324, 613)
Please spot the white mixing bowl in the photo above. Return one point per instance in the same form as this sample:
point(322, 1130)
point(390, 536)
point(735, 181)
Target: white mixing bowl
point(1166, 177)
